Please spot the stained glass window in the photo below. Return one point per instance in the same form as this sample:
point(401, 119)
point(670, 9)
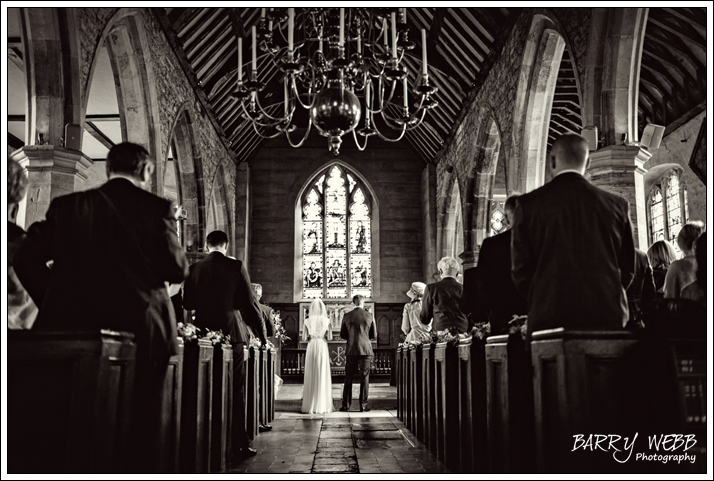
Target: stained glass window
point(674, 211)
point(686, 203)
point(656, 214)
point(498, 218)
point(337, 250)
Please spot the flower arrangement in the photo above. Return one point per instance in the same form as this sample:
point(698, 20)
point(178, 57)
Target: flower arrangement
point(269, 345)
point(217, 337)
point(278, 328)
point(255, 342)
point(481, 330)
point(188, 332)
point(518, 325)
point(447, 335)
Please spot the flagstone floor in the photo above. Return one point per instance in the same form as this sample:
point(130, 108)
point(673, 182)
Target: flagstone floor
point(341, 442)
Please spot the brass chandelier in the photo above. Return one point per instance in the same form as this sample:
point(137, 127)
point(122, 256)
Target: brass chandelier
point(336, 63)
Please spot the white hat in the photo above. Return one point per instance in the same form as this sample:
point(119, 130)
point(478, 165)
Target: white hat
point(417, 287)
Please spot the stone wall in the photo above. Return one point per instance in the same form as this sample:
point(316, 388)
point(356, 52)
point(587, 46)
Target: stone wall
point(277, 174)
point(173, 91)
point(673, 151)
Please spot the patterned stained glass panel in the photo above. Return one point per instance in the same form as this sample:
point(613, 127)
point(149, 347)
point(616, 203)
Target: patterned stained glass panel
point(674, 209)
point(312, 278)
point(360, 228)
point(336, 271)
point(657, 217)
point(336, 234)
point(498, 218)
point(686, 203)
point(352, 182)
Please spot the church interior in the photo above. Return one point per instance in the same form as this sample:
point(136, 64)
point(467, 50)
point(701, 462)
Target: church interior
point(344, 152)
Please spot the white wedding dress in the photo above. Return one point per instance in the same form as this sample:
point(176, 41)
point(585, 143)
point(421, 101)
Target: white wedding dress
point(317, 390)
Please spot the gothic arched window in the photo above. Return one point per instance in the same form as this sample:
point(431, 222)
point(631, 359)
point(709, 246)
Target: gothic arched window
point(336, 237)
point(668, 208)
point(498, 217)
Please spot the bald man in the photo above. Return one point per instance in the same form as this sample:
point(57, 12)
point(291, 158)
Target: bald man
point(572, 248)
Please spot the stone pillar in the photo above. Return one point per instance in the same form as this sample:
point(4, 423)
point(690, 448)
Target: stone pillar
point(242, 231)
point(52, 171)
point(428, 216)
point(619, 169)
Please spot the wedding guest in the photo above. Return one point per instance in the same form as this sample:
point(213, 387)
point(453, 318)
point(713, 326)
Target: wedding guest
point(641, 291)
point(21, 311)
point(266, 325)
point(661, 254)
point(697, 290)
point(411, 324)
point(496, 298)
point(441, 299)
point(681, 272)
point(218, 289)
point(572, 248)
point(114, 248)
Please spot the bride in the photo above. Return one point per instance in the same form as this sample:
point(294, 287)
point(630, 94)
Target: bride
point(317, 390)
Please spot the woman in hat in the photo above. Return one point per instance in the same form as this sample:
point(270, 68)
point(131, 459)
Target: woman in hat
point(411, 325)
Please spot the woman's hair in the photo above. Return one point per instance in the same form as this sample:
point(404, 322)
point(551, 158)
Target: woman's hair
point(700, 253)
point(689, 233)
point(661, 254)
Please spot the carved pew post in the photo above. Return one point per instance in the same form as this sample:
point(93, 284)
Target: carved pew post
point(447, 405)
point(400, 385)
point(429, 396)
point(222, 414)
point(69, 400)
point(466, 405)
point(167, 458)
point(263, 386)
point(417, 406)
point(196, 404)
point(272, 363)
point(253, 392)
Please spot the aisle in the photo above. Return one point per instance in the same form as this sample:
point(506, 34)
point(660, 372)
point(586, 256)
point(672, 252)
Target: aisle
point(352, 442)
point(381, 396)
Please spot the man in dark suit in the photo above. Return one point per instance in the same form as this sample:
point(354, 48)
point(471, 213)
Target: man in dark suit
point(497, 299)
point(217, 288)
point(572, 247)
point(114, 249)
point(641, 291)
point(266, 325)
point(357, 328)
point(441, 299)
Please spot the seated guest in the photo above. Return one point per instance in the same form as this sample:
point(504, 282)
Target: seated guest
point(21, 311)
point(415, 331)
point(498, 300)
point(114, 248)
point(572, 249)
point(697, 290)
point(641, 290)
point(661, 255)
point(681, 272)
point(441, 299)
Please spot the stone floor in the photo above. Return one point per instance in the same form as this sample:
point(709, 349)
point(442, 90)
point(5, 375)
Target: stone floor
point(373, 442)
point(381, 396)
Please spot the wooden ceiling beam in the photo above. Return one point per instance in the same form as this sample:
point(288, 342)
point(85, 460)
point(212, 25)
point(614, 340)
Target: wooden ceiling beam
point(199, 29)
point(196, 52)
point(679, 32)
point(100, 136)
point(682, 14)
point(463, 30)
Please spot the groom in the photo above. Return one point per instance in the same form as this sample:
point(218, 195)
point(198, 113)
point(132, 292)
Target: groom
point(357, 328)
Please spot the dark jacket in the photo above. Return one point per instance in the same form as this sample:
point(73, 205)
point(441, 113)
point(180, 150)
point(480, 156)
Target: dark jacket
point(358, 328)
point(497, 298)
point(113, 248)
point(573, 255)
point(441, 302)
point(217, 287)
point(642, 289)
point(266, 320)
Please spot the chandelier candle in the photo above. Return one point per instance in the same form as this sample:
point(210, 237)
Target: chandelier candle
point(291, 30)
point(240, 59)
point(342, 27)
point(254, 65)
point(394, 36)
point(423, 51)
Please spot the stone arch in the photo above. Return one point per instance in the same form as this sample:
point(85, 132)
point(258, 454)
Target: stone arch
point(542, 55)
point(218, 214)
point(479, 184)
point(190, 177)
point(298, 233)
point(126, 43)
point(613, 72)
point(449, 218)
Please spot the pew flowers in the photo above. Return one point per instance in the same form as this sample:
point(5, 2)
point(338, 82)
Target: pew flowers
point(255, 342)
point(518, 325)
point(481, 330)
point(188, 332)
point(279, 329)
point(447, 335)
point(217, 337)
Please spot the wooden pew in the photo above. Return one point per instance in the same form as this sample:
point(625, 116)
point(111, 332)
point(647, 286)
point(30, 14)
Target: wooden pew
point(417, 406)
point(408, 381)
point(69, 401)
point(429, 396)
point(167, 452)
point(478, 403)
point(252, 376)
point(447, 405)
point(222, 410)
point(585, 382)
point(196, 404)
point(400, 384)
point(263, 386)
point(467, 454)
point(272, 365)
point(509, 381)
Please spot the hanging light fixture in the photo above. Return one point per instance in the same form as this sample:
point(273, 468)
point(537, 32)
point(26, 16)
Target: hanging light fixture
point(342, 65)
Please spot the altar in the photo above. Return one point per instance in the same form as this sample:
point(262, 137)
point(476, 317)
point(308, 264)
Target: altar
point(335, 311)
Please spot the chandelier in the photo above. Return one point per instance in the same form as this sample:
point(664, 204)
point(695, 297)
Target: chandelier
point(338, 63)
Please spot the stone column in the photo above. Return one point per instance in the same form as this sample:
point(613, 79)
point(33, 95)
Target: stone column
point(52, 171)
point(428, 216)
point(619, 169)
point(242, 231)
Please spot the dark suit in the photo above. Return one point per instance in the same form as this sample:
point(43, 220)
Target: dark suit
point(441, 302)
point(497, 298)
point(217, 288)
point(642, 289)
point(357, 328)
point(113, 248)
point(573, 255)
point(266, 320)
